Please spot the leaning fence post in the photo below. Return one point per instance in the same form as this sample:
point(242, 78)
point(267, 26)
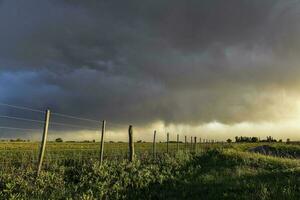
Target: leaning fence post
point(154, 145)
point(177, 142)
point(168, 135)
point(131, 144)
point(44, 141)
point(102, 141)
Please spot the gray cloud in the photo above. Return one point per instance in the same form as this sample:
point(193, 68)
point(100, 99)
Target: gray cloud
point(142, 61)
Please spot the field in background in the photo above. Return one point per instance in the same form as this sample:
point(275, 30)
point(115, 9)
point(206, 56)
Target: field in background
point(26, 153)
point(209, 171)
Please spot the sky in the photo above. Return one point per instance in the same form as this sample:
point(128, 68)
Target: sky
point(211, 68)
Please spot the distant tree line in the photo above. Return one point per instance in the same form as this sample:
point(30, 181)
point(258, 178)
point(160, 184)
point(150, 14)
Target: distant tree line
point(244, 139)
point(15, 140)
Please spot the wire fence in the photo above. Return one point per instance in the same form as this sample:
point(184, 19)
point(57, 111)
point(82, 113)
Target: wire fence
point(24, 153)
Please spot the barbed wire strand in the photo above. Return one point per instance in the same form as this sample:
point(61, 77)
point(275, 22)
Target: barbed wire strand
point(21, 119)
point(42, 122)
point(23, 129)
point(53, 113)
point(21, 107)
point(74, 117)
point(73, 125)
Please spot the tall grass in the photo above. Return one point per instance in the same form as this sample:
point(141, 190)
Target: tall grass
point(216, 173)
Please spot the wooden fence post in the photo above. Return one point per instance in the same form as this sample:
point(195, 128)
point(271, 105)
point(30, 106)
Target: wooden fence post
point(185, 143)
point(44, 141)
point(177, 142)
point(154, 145)
point(102, 141)
point(131, 144)
point(195, 145)
point(191, 148)
point(168, 135)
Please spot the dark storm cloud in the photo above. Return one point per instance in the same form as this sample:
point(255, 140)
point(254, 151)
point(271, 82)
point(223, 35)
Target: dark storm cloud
point(141, 61)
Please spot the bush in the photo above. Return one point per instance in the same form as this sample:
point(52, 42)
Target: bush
point(58, 140)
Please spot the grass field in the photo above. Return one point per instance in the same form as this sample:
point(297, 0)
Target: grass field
point(27, 152)
point(214, 171)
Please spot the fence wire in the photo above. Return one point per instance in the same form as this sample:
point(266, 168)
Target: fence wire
point(19, 153)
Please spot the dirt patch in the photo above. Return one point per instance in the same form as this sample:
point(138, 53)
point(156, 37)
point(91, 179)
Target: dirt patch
point(272, 151)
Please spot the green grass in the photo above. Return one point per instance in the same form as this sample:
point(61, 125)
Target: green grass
point(215, 172)
point(20, 153)
point(246, 146)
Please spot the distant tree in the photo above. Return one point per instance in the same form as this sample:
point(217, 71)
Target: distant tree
point(58, 140)
point(254, 139)
point(288, 141)
point(271, 139)
point(229, 140)
point(17, 140)
point(237, 139)
point(246, 139)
